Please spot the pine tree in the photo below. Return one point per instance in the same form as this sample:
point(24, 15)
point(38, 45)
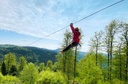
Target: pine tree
point(3, 69)
point(13, 70)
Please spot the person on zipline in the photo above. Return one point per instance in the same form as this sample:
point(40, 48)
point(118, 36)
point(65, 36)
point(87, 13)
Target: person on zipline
point(76, 38)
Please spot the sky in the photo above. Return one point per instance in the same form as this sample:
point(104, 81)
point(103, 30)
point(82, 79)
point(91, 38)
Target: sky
point(22, 22)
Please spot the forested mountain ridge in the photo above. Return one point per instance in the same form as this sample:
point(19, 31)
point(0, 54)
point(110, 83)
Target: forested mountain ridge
point(32, 54)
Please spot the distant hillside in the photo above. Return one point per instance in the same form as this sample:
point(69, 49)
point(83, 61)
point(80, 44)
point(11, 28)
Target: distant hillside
point(32, 54)
point(80, 54)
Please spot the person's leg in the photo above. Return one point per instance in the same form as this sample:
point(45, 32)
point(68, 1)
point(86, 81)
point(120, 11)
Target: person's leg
point(67, 48)
point(70, 46)
point(74, 44)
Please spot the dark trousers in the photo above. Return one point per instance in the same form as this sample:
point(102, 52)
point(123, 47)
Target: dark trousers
point(73, 44)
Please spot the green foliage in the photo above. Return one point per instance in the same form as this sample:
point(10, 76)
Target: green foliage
point(50, 77)
point(119, 63)
point(102, 61)
point(41, 67)
point(29, 74)
point(22, 63)
point(3, 69)
point(117, 81)
point(1, 77)
point(55, 66)
point(10, 80)
point(89, 73)
point(59, 63)
point(9, 60)
point(69, 68)
point(65, 63)
point(13, 70)
point(49, 64)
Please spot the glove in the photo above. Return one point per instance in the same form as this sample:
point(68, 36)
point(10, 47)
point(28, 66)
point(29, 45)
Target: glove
point(71, 24)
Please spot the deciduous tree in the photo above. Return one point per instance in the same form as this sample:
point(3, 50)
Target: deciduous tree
point(29, 74)
point(22, 63)
point(9, 60)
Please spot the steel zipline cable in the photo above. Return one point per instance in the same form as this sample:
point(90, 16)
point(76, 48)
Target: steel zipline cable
point(78, 21)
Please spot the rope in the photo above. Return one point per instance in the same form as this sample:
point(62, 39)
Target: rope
point(78, 21)
point(99, 11)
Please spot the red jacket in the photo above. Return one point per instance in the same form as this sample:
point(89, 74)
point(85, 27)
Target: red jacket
point(76, 34)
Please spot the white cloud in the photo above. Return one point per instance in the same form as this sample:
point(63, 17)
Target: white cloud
point(27, 17)
point(43, 17)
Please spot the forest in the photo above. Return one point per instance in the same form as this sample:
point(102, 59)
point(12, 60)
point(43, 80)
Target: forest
point(106, 62)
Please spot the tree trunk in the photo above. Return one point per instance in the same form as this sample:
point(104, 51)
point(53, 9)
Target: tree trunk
point(64, 63)
point(127, 61)
point(120, 61)
point(108, 51)
point(108, 66)
point(111, 48)
point(126, 39)
point(96, 54)
point(75, 62)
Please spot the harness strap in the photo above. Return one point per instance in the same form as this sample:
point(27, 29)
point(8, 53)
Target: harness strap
point(79, 44)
